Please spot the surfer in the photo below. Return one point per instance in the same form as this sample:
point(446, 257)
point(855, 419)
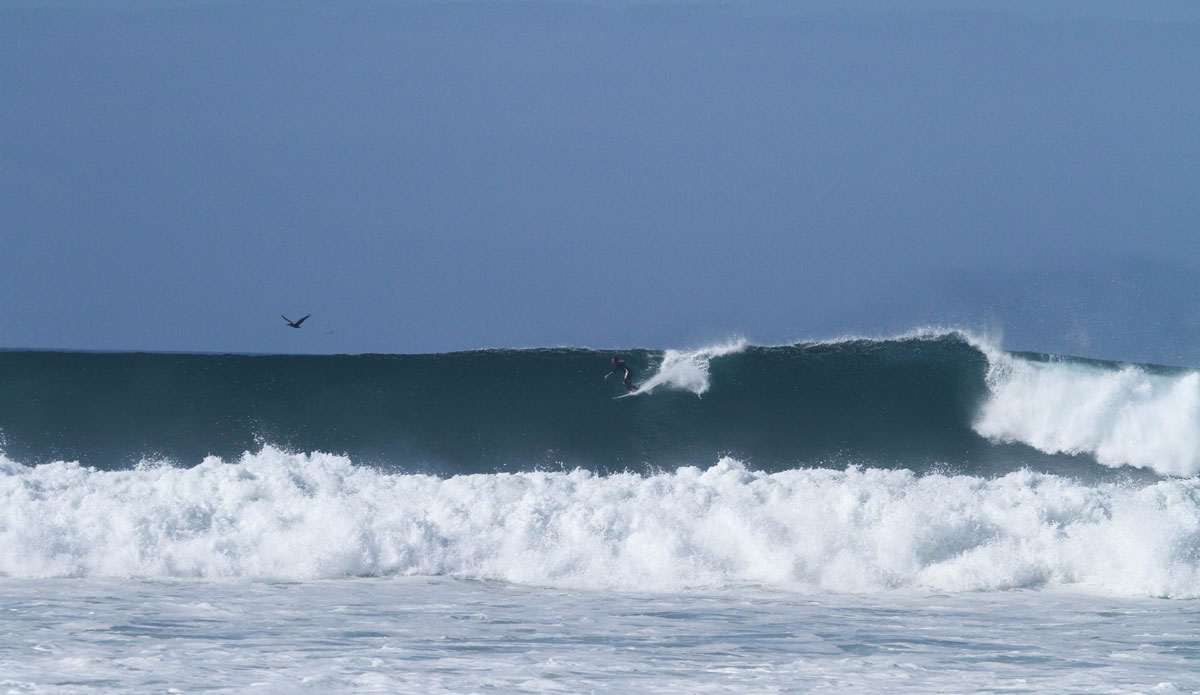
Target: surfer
point(295, 324)
point(618, 365)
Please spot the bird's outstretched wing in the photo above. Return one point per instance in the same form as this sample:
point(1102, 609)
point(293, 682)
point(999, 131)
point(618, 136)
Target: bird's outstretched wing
point(302, 320)
point(286, 318)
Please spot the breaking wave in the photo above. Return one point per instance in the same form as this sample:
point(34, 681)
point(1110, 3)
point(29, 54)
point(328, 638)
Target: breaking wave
point(929, 401)
point(276, 515)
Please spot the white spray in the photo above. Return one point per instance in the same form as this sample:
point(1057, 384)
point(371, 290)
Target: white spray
point(688, 370)
point(284, 516)
point(1124, 416)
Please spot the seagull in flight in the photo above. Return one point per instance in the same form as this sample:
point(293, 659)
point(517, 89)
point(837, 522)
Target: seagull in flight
point(295, 324)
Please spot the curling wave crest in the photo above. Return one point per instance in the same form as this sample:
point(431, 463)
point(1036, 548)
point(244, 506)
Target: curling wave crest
point(1119, 414)
point(285, 516)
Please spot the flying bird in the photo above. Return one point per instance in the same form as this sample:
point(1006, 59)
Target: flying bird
point(295, 324)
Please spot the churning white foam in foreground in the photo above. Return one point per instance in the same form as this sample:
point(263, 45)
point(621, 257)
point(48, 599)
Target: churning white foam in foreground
point(1125, 416)
point(419, 636)
point(278, 515)
point(688, 370)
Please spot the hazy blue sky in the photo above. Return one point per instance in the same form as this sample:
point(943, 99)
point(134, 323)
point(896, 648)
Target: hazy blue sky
point(431, 176)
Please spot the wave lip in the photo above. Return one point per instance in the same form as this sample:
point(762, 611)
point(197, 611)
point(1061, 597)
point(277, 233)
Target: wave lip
point(1119, 414)
point(274, 515)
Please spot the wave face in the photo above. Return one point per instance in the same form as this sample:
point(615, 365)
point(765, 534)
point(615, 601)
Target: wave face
point(942, 402)
point(294, 516)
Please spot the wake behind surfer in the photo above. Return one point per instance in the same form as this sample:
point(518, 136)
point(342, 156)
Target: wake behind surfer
point(618, 365)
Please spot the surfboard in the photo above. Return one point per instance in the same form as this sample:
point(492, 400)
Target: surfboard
point(626, 395)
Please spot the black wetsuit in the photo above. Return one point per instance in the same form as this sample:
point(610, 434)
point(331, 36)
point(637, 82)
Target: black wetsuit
point(618, 364)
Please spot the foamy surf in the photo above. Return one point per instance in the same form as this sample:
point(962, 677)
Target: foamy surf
point(274, 515)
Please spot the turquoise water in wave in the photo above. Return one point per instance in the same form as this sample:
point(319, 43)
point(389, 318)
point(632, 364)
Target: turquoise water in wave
point(929, 401)
point(490, 410)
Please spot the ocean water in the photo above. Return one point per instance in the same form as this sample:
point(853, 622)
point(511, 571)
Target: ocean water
point(442, 635)
point(927, 513)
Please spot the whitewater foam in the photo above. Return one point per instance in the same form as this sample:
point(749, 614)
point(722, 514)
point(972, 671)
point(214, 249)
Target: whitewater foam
point(1121, 415)
point(688, 370)
point(287, 516)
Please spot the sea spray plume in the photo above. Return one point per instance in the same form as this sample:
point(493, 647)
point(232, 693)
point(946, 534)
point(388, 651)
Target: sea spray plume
point(273, 515)
point(688, 370)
